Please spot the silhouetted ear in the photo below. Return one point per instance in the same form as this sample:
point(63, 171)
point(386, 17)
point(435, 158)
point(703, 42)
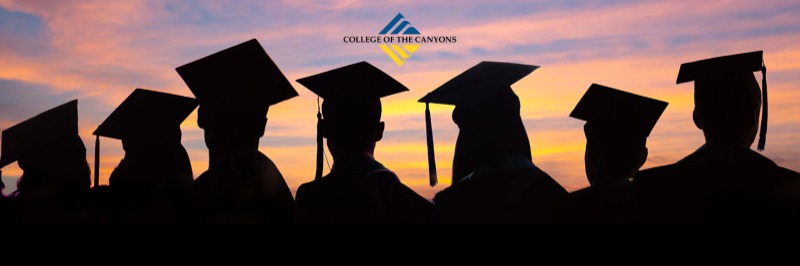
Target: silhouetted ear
point(201, 118)
point(696, 118)
point(379, 131)
point(261, 127)
point(643, 159)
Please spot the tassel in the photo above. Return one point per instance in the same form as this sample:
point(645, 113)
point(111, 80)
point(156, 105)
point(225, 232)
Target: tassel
point(762, 139)
point(431, 154)
point(97, 161)
point(320, 149)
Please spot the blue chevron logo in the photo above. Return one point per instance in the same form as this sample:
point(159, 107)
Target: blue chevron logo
point(403, 25)
point(399, 53)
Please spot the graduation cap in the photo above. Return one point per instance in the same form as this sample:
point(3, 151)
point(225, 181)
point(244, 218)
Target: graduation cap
point(619, 110)
point(353, 84)
point(53, 126)
point(728, 66)
point(236, 84)
point(471, 88)
point(144, 113)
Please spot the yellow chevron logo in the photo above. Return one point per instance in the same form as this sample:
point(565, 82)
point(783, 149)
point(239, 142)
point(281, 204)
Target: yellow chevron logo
point(399, 54)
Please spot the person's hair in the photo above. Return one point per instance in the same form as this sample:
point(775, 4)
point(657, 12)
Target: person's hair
point(496, 126)
point(352, 125)
point(488, 131)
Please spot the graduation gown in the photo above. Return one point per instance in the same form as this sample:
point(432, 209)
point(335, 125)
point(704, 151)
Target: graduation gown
point(717, 183)
point(147, 188)
point(510, 189)
point(242, 187)
point(72, 209)
point(360, 190)
point(602, 203)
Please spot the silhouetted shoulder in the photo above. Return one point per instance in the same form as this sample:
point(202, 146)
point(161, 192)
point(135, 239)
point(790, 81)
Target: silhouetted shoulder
point(741, 187)
point(654, 175)
point(410, 206)
point(606, 203)
point(243, 187)
point(519, 179)
point(525, 195)
point(252, 166)
point(789, 189)
point(307, 188)
point(656, 194)
point(374, 197)
point(786, 173)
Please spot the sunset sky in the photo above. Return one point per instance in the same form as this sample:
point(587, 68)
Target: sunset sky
point(99, 51)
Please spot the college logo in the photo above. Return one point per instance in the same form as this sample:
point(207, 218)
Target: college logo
point(399, 39)
point(397, 52)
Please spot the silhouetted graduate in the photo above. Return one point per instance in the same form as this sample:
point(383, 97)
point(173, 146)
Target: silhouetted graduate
point(494, 179)
point(723, 181)
point(235, 88)
point(617, 126)
point(55, 184)
point(358, 189)
point(149, 183)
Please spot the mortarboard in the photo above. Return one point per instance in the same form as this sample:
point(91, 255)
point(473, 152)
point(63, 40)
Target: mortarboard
point(471, 88)
point(619, 110)
point(237, 83)
point(53, 126)
point(143, 113)
point(731, 65)
point(359, 82)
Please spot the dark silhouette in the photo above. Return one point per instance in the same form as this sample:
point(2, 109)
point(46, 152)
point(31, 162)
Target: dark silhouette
point(235, 88)
point(150, 183)
point(358, 189)
point(55, 184)
point(3, 202)
point(494, 178)
point(617, 126)
point(723, 181)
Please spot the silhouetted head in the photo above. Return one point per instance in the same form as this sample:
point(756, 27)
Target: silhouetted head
point(617, 126)
point(235, 88)
point(57, 172)
point(352, 127)
point(242, 132)
point(727, 109)
point(152, 163)
point(612, 154)
point(351, 110)
point(487, 114)
point(148, 123)
point(487, 131)
point(727, 99)
point(50, 153)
